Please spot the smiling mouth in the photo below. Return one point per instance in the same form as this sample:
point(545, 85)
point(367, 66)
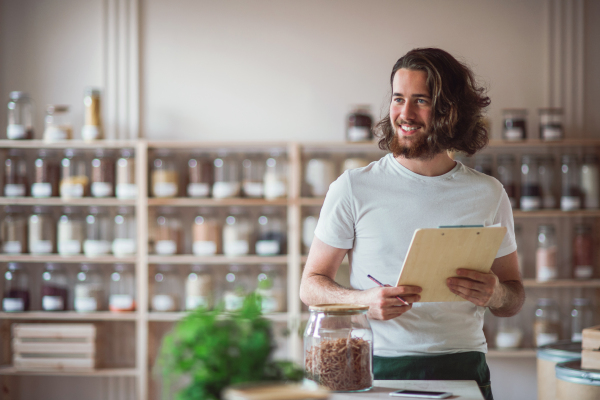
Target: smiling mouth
point(409, 129)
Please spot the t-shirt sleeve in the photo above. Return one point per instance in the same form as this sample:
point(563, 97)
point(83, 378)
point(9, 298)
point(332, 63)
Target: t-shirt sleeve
point(504, 217)
point(336, 221)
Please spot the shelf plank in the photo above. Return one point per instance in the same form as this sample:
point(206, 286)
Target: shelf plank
point(517, 353)
point(219, 260)
point(57, 201)
point(67, 144)
point(56, 258)
point(556, 213)
point(70, 316)
point(565, 283)
point(191, 202)
point(496, 143)
point(176, 316)
point(312, 201)
point(195, 145)
point(132, 372)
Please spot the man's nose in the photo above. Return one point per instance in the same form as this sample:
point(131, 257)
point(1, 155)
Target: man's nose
point(407, 112)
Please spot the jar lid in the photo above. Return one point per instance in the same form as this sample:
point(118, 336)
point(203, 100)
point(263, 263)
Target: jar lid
point(340, 308)
point(572, 372)
point(561, 351)
point(57, 108)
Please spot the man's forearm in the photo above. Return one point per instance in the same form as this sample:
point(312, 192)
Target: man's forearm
point(510, 300)
point(320, 289)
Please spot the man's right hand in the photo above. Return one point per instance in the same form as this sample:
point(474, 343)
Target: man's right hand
point(383, 304)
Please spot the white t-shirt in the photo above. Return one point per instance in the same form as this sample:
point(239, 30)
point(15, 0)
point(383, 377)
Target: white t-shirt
point(374, 211)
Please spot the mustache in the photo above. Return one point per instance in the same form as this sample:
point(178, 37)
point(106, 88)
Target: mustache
point(404, 122)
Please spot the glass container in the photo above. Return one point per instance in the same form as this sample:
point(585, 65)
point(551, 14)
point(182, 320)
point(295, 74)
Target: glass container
point(546, 262)
point(582, 316)
point(14, 231)
point(238, 284)
point(46, 175)
point(271, 239)
point(551, 123)
point(253, 174)
point(199, 288)
point(272, 288)
point(20, 116)
point(227, 181)
point(89, 292)
point(515, 124)
point(309, 224)
point(122, 289)
point(41, 231)
point(74, 181)
point(508, 335)
point(319, 174)
point(530, 184)
point(125, 187)
point(483, 163)
point(57, 123)
point(16, 297)
point(103, 174)
point(92, 122)
point(359, 124)
point(125, 233)
point(99, 233)
point(206, 233)
point(15, 174)
point(166, 290)
point(168, 239)
point(506, 171)
point(200, 176)
point(583, 252)
point(590, 181)
point(547, 178)
point(570, 182)
point(237, 233)
point(520, 249)
point(165, 178)
point(355, 161)
point(55, 288)
point(344, 330)
point(546, 325)
point(70, 232)
point(276, 176)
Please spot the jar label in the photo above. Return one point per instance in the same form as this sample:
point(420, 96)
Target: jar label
point(529, 203)
point(120, 302)
point(569, 203)
point(204, 248)
point(68, 247)
point(41, 189)
point(551, 133)
point(123, 247)
point(163, 302)
point(14, 190)
point(165, 247)
point(545, 273)
point(236, 248)
point(193, 302)
point(12, 304)
point(267, 247)
point(71, 190)
point(546, 338)
point(93, 248)
point(54, 133)
point(126, 190)
point(549, 201)
point(12, 247)
point(40, 247)
point(584, 271)
point(102, 189)
point(233, 302)
point(53, 303)
point(198, 190)
point(85, 304)
point(275, 189)
point(253, 189)
point(15, 131)
point(223, 190)
point(165, 189)
point(358, 133)
point(513, 133)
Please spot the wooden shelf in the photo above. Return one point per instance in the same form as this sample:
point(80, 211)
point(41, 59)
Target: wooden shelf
point(516, 353)
point(230, 146)
point(55, 258)
point(495, 143)
point(57, 201)
point(312, 201)
point(117, 372)
point(176, 316)
point(68, 144)
point(565, 283)
point(191, 202)
point(220, 260)
point(70, 316)
point(556, 213)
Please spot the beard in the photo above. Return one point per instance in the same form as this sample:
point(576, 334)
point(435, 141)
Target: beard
point(420, 146)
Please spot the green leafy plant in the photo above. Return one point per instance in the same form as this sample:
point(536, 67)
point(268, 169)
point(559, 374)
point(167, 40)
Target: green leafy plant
point(213, 350)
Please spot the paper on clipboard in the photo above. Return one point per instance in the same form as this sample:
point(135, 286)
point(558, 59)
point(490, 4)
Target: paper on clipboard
point(435, 254)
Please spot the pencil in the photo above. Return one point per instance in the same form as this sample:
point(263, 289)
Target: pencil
point(382, 285)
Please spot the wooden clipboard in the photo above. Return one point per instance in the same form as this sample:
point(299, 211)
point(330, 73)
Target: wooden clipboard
point(435, 254)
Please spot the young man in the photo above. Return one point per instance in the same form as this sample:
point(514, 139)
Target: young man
point(371, 213)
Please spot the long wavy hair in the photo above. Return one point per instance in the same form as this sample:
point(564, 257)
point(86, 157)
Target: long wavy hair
point(457, 103)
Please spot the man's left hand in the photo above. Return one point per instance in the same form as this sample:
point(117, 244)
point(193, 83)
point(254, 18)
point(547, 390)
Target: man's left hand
point(479, 288)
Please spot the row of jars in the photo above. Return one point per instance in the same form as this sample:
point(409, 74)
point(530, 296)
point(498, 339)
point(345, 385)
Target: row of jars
point(92, 290)
point(515, 124)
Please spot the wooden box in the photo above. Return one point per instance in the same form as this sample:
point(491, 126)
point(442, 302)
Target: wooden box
point(590, 355)
point(54, 346)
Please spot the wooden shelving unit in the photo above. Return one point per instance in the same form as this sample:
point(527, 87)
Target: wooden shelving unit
point(70, 316)
point(101, 372)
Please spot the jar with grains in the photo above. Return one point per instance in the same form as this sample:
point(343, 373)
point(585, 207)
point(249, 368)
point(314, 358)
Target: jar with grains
point(55, 288)
point(583, 252)
point(238, 284)
point(355, 161)
point(74, 181)
point(508, 335)
point(319, 174)
point(253, 174)
point(14, 231)
point(16, 297)
point(122, 289)
point(359, 124)
point(125, 239)
point(41, 232)
point(227, 182)
point(89, 293)
point(338, 347)
point(483, 163)
point(582, 316)
point(546, 326)
point(515, 124)
point(15, 174)
point(46, 174)
point(570, 181)
point(206, 233)
point(166, 290)
point(199, 288)
point(92, 123)
point(58, 124)
point(98, 240)
point(590, 181)
point(551, 123)
point(531, 198)
point(20, 116)
point(309, 224)
point(275, 178)
point(200, 176)
point(547, 178)
point(546, 261)
point(126, 187)
point(70, 232)
point(506, 171)
point(271, 240)
point(520, 247)
point(168, 238)
point(165, 178)
point(103, 174)
point(237, 233)
point(272, 288)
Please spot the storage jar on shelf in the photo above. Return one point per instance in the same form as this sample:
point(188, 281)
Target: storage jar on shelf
point(546, 326)
point(15, 174)
point(227, 182)
point(546, 260)
point(275, 178)
point(20, 116)
point(46, 175)
point(55, 288)
point(41, 231)
point(319, 174)
point(237, 233)
point(570, 194)
point(103, 174)
point(122, 289)
point(590, 181)
point(14, 231)
point(57, 123)
point(515, 124)
point(168, 239)
point(253, 173)
point(582, 316)
point(89, 294)
point(551, 123)
point(200, 176)
point(125, 186)
point(98, 240)
point(530, 184)
point(583, 252)
point(16, 296)
point(125, 237)
point(92, 124)
point(271, 240)
point(206, 233)
point(359, 124)
point(74, 181)
point(199, 288)
point(166, 290)
point(547, 179)
point(165, 176)
point(238, 284)
point(272, 288)
point(70, 232)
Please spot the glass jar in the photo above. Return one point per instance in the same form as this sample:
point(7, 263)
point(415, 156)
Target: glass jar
point(547, 176)
point(46, 175)
point(515, 124)
point(356, 161)
point(16, 289)
point(359, 124)
point(237, 233)
point(20, 116)
point(89, 290)
point(276, 176)
point(227, 181)
point(253, 174)
point(309, 224)
point(58, 124)
point(70, 233)
point(506, 175)
point(508, 334)
point(74, 181)
point(92, 122)
point(200, 176)
point(125, 187)
point(583, 252)
point(272, 288)
point(571, 193)
point(55, 288)
point(166, 289)
point(546, 326)
point(98, 239)
point(271, 239)
point(551, 123)
point(206, 234)
point(582, 316)
point(483, 163)
point(15, 174)
point(14, 231)
point(590, 181)
point(125, 239)
point(165, 178)
point(199, 288)
point(238, 284)
point(168, 239)
point(530, 184)
point(546, 261)
point(41, 231)
point(341, 329)
point(103, 174)
point(319, 174)
point(122, 289)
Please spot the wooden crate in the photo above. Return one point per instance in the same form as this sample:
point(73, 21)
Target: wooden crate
point(54, 346)
point(590, 355)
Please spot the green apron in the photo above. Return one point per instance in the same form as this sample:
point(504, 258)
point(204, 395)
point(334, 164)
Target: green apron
point(447, 367)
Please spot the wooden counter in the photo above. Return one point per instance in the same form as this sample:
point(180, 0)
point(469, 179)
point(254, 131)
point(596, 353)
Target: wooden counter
point(464, 390)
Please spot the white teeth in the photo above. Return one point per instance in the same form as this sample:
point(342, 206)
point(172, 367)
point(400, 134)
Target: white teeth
point(408, 128)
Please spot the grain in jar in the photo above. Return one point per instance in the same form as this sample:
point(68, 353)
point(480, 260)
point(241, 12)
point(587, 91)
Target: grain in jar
point(74, 181)
point(125, 239)
point(41, 231)
point(166, 290)
point(14, 231)
point(237, 233)
point(319, 174)
point(238, 284)
point(57, 123)
point(168, 238)
point(200, 176)
point(70, 232)
point(16, 295)
point(271, 238)
point(275, 178)
point(15, 174)
point(570, 182)
point(46, 175)
point(199, 288)
point(206, 233)
point(89, 294)
point(515, 124)
point(122, 289)
point(253, 171)
point(590, 181)
point(55, 288)
point(546, 326)
point(583, 252)
point(103, 174)
point(551, 123)
point(92, 123)
point(98, 238)
point(227, 179)
point(164, 178)
point(531, 198)
point(125, 187)
point(20, 116)
point(546, 262)
point(272, 288)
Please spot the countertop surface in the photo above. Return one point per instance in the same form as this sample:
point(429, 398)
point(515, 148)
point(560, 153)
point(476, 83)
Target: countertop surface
point(464, 390)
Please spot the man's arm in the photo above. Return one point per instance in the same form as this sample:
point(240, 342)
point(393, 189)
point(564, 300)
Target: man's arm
point(319, 287)
point(501, 290)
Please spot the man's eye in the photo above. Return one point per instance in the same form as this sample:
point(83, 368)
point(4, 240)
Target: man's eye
point(421, 101)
